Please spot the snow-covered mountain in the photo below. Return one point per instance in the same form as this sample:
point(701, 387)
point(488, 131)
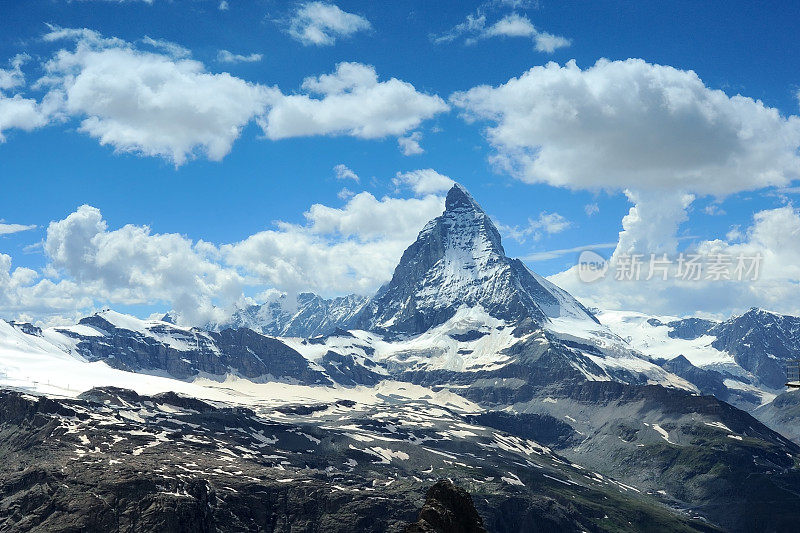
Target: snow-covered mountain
point(466, 365)
point(306, 315)
point(455, 305)
point(458, 261)
point(741, 360)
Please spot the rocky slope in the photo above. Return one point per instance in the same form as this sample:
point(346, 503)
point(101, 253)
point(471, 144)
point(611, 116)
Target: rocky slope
point(458, 260)
point(307, 315)
point(134, 345)
point(465, 366)
point(113, 460)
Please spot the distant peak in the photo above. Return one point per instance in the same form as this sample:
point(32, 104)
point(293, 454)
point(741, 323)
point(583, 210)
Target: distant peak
point(458, 196)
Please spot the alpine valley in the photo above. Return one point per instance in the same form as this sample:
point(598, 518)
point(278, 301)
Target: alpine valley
point(467, 394)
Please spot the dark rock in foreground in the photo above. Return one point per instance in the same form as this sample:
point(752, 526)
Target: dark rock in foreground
point(447, 509)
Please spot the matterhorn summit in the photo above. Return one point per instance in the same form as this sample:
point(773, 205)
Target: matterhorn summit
point(458, 261)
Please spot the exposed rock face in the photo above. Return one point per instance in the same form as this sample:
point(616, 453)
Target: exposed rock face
point(459, 317)
point(704, 454)
point(306, 316)
point(686, 328)
point(710, 382)
point(151, 347)
point(458, 260)
point(115, 460)
point(447, 509)
point(782, 414)
point(761, 342)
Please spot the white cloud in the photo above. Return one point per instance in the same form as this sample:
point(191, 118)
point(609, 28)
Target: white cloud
point(549, 43)
point(148, 103)
point(512, 25)
point(225, 56)
point(355, 248)
point(345, 194)
point(713, 210)
point(133, 265)
point(337, 250)
point(352, 102)
point(13, 77)
point(633, 125)
point(344, 173)
point(473, 24)
point(409, 144)
point(651, 225)
point(423, 181)
point(166, 105)
point(655, 131)
point(18, 112)
point(774, 235)
point(591, 209)
point(546, 224)
point(24, 296)
point(554, 254)
point(171, 49)
point(552, 223)
point(320, 24)
point(7, 229)
point(223, 6)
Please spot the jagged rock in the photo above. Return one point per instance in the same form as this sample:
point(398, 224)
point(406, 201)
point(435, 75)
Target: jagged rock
point(761, 342)
point(135, 345)
point(458, 260)
point(307, 315)
point(447, 509)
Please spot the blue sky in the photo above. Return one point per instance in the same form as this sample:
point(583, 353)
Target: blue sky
point(54, 163)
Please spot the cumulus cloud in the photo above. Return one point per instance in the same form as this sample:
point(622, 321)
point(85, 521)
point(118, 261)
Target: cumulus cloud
point(651, 225)
point(774, 236)
point(656, 132)
point(350, 101)
point(21, 113)
point(225, 56)
point(153, 104)
point(16, 111)
point(159, 102)
point(512, 25)
point(13, 77)
point(320, 24)
point(24, 296)
point(409, 144)
point(354, 248)
point(423, 181)
point(633, 125)
point(344, 173)
point(133, 265)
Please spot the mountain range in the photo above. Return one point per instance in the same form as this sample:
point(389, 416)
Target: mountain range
point(307, 413)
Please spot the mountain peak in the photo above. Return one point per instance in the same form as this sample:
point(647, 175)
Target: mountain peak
point(457, 197)
point(458, 261)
